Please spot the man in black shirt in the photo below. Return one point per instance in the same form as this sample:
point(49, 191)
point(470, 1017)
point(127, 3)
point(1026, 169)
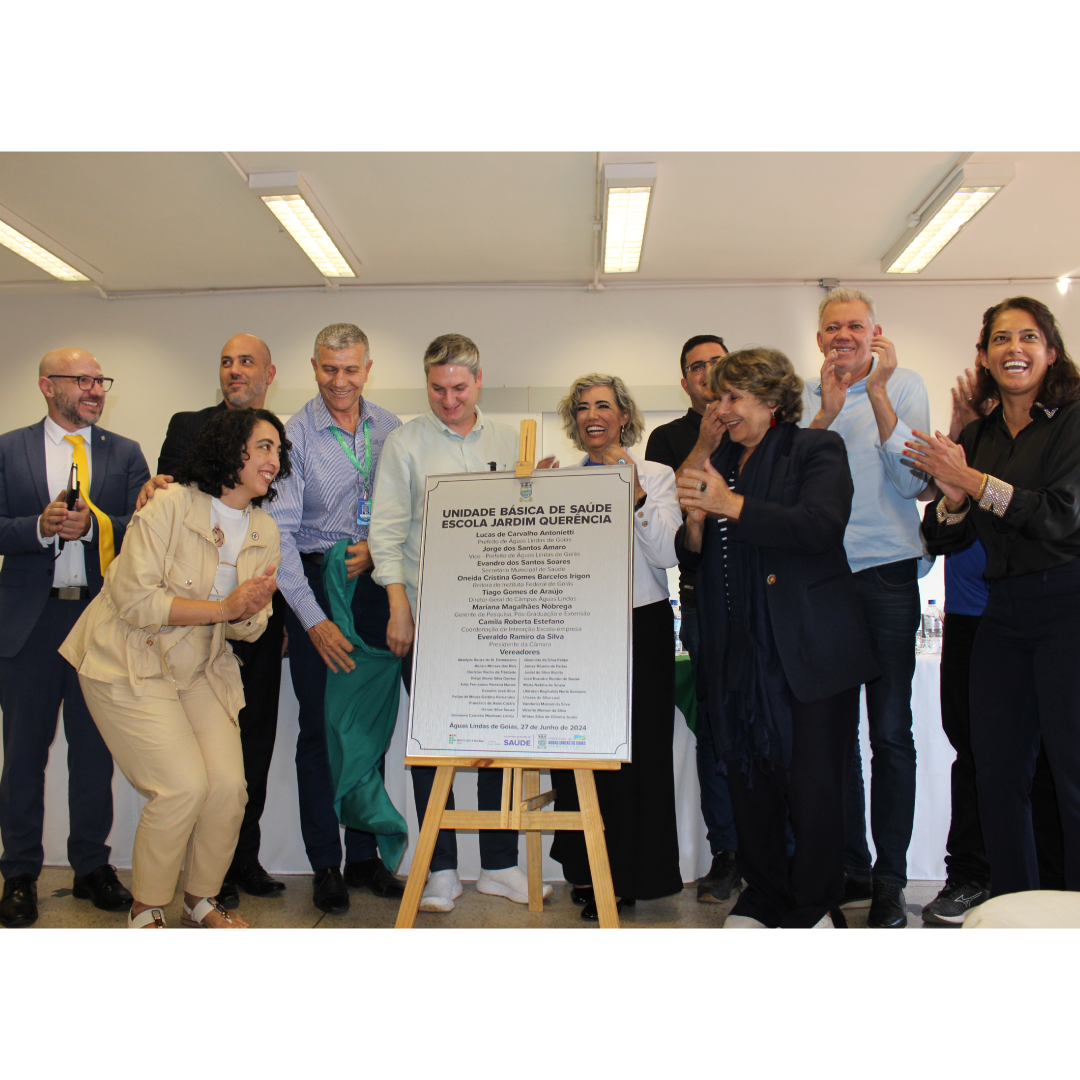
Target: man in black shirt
point(690, 442)
point(246, 372)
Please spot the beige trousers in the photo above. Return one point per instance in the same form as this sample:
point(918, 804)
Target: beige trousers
point(185, 758)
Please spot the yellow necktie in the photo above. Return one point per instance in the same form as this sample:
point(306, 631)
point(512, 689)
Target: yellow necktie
point(82, 471)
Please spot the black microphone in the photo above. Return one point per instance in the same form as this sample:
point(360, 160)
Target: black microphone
point(72, 496)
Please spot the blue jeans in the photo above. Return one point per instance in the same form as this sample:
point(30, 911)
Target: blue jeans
point(716, 806)
point(889, 595)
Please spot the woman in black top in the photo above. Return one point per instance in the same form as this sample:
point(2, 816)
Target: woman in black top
point(1014, 481)
point(783, 647)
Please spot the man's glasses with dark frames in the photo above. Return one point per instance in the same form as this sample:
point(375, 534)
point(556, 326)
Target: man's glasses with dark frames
point(87, 381)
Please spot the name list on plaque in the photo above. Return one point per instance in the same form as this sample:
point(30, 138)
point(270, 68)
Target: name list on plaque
point(523, 616)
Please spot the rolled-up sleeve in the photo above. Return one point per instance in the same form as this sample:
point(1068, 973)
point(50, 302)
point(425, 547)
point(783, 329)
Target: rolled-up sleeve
point(912, 407)
point(391, 513)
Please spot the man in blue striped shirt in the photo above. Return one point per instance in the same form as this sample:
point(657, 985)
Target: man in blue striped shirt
point(336, 438)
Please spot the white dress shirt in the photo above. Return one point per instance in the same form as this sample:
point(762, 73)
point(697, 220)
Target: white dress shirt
point(69, 567)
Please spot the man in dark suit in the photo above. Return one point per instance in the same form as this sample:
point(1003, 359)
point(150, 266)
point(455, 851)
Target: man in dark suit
point(246, 372)
point(54, 559)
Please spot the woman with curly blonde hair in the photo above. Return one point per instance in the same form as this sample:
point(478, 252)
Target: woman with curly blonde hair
point(638, 801)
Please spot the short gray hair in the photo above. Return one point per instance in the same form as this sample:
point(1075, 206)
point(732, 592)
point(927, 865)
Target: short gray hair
point(632, 430)
point(340, 335)
point(846, 296)
point(453, 349)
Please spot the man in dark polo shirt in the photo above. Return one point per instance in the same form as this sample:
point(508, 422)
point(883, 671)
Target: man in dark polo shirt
point(690, 442)
point(246, 372)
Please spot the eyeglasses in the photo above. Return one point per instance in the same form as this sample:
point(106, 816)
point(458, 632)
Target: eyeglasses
point(699, 366)
point(87, 381)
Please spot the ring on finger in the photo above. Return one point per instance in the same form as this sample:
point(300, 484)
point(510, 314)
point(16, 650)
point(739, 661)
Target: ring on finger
point(704, 486)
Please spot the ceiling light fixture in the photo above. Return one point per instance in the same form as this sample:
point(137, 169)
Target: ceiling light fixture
point(22, 238)
point(291, 201)
point(627, 196)
point(1063, 284)
point(966, 191)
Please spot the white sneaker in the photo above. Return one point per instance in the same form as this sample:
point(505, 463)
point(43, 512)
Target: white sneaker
point(513, 883)
point(824, 923)
point(443, 887)
point(743, 922)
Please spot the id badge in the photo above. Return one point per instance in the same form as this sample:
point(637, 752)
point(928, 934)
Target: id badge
point(363, 514)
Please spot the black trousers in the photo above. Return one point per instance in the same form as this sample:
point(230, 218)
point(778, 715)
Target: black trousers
point(638, 801)
point(33, 683)
point(965, 859)
point(260, 671)
point(1025, 693)
point(797, 891)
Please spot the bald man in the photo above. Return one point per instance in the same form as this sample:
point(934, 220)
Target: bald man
point(53, 567)
point(246, 372)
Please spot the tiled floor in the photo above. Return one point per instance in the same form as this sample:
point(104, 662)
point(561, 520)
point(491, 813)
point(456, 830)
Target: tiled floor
point(293, 909)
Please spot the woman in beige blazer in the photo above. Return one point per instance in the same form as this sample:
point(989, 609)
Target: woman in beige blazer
point(196, 568)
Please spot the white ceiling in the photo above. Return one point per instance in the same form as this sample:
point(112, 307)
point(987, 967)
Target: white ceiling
point(186, 221)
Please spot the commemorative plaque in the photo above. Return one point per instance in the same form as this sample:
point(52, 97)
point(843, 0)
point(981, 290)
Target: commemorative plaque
point(523, 616)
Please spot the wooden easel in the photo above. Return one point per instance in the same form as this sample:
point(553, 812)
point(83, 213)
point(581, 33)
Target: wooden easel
point(522, 804)
point(521, 810)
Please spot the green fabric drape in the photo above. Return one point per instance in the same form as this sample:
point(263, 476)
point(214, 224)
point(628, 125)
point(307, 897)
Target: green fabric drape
point(361, 708)
point(686, 691)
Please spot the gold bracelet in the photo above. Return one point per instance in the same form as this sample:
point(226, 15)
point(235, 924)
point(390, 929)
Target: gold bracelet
point(982, 487)
point(221, 608)
point(945, 517)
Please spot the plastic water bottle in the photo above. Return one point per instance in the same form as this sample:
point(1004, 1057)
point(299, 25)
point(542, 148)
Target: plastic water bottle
point(676, 610)
point(931, 630)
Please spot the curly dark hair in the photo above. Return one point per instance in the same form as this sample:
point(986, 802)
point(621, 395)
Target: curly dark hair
point(216, 458)
point(767, 374)
point(1060, 385)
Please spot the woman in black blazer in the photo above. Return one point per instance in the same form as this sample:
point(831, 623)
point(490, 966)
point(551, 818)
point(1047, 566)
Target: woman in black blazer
point(783, 645)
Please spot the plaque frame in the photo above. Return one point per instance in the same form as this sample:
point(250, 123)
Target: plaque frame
point(563, 487)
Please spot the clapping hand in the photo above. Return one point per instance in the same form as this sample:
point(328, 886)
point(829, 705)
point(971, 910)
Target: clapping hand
point(251, 596)
point(942, 459)
point(834, 388)
point(704, 492)
point(617, 455)
point(886, 365)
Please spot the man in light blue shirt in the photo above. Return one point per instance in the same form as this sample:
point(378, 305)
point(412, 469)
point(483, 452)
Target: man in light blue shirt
point(454, 437)
point(874, 405)
point(337, 439)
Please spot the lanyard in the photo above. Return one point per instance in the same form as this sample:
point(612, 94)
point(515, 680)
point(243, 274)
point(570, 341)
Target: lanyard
point(365, 469)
